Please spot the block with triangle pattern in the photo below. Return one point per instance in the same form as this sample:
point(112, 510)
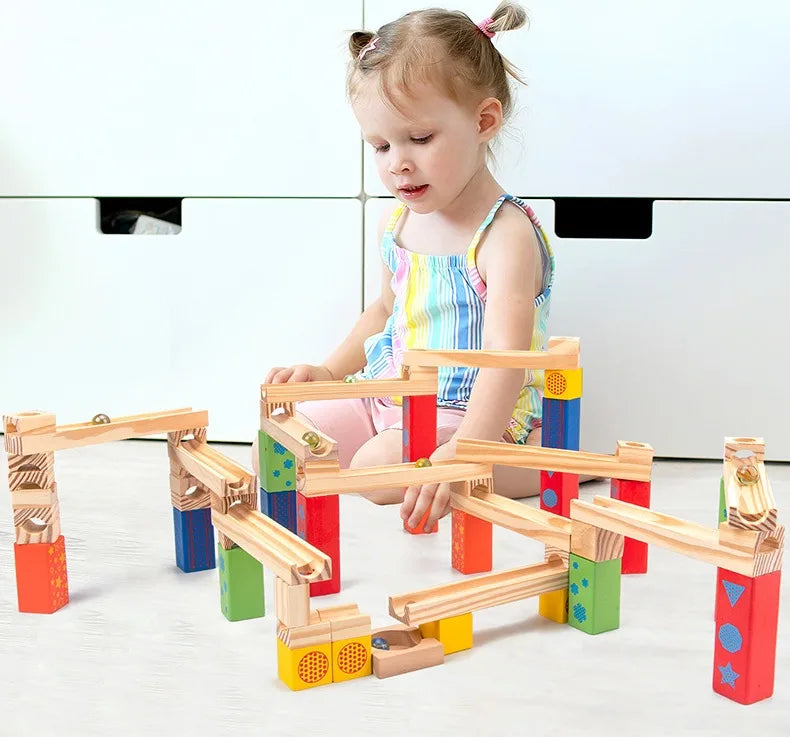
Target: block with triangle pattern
point(556, 491)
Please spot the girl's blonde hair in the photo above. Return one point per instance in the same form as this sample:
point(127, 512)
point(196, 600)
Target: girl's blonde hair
point(445, 48)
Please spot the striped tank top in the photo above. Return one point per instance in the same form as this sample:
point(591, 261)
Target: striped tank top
point(439, 304)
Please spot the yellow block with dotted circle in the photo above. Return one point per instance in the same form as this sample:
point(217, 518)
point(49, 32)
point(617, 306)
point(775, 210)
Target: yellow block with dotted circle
point(304, 667)
point(351, 658)
point(455, 633)
point(563, 383)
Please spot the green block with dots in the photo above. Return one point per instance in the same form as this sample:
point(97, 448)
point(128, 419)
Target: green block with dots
point(277, 465)
point(593, 594)
point(722, 502)
point(240, 584)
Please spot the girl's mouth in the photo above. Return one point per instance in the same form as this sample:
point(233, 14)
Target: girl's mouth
point(413, 193)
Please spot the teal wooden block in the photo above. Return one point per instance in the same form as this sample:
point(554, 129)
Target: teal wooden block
point(240, 584)
point(277, 465)
point(593, 594)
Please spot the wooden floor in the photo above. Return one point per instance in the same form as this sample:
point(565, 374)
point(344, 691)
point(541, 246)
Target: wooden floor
point(142, 649)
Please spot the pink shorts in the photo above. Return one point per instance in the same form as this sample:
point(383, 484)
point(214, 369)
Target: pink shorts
point(352, 422)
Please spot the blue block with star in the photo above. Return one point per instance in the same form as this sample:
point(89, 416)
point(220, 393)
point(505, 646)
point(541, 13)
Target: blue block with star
point(281, 507)
point(561, 423)
point(277, 465)
point(593, 594)
point(194, 538)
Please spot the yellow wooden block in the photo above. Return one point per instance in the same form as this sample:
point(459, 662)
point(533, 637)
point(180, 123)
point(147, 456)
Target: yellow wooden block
point(455, 633)
point(304, 667)
point(351, 658)
point(563, 384)
point(554, 606)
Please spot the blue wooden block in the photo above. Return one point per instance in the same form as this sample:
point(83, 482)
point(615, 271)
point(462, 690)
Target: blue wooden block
point(194, 536)
point(561, 423)
point(281, 507)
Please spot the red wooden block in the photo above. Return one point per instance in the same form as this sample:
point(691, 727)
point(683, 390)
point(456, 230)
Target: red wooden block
point(747, 614)
point(419, 440)
point(557, 489)
point(41, 580)
point(634, 551)
point(318, 522)
point(472, 543)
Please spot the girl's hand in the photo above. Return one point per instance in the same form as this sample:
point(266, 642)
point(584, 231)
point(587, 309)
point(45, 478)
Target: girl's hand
point(436, 497)
point(300, 372)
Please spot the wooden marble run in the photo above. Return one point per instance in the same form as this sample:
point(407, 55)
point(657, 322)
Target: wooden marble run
point(588, 545)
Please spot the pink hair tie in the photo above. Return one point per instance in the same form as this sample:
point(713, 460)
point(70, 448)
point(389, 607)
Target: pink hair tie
point(483, 26)
point(369, 47)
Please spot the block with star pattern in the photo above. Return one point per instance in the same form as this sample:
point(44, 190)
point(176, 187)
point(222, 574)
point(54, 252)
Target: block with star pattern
point(41, 581)
point(277, 465)
point(593, 594)
point(747, 615)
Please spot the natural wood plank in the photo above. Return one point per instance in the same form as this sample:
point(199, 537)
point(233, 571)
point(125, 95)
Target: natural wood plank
point(479, 592)
point(308, 636)
point(654, 528)
point(288, 432)
point(632, 467)
point(556, 359)
point(286, 555)
point(595, 543)
point(323, 478)
point(535, 523)
point(420, 383)
point(24, 422)
point(121, 428)
point(355, 625)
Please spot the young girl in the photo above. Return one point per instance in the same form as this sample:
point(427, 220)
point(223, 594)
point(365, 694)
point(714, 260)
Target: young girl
point(464, 264)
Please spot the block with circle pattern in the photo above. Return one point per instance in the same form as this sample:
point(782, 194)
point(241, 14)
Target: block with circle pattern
point(304, 667)
point(351, 658)
point(563, 383)
point(557, 490)
point(593, 594)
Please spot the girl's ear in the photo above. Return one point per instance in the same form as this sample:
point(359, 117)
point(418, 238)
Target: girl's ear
point(489, 118)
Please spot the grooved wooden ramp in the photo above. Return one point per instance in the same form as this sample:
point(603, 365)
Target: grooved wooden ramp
point(289, 557)
point(212, 469)
point(479, 592)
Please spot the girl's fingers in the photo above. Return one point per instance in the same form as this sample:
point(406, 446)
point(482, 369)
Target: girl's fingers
point(424, 501)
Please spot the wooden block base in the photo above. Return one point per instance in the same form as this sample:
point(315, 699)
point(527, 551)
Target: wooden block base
point(455, 633)
point(554, 606)
point(41, 580)
point(472, 543)
point(194, 539)
point(281, 507)
point(594, 595)
point(304, 667)
point(240, 584)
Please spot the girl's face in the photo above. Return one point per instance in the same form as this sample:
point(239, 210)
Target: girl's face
point(427, 152)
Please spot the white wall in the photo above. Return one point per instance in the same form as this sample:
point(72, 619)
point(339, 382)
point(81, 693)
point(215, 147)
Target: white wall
point(244, 115)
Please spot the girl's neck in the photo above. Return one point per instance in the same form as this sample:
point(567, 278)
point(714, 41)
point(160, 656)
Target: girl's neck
point(474, 200)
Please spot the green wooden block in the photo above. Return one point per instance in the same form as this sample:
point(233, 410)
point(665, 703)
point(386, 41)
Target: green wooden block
point(722, 502)
point(240, 584)
point(593, 594)
point(277, 465)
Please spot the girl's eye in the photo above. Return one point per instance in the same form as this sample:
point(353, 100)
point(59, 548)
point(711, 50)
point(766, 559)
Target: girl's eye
point(424, 139)
point(380, 149)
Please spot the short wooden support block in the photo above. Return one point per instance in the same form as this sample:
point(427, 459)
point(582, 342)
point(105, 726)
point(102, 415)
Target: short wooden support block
point(747, 614)
point(557, 489)
point(281, 507)
point(554, 606)
point(472, 543)
point(407, 650)
point(634, 551)
point(594, 594)
point(561, 423)
point(292, 603)
point(304, 667)
point(276, 463)
point(194, 538)
point(455, 633)
point(240, 584)
point(595, 543)
point(42, 583)
point(351, 648)
point(562, 383)
point(318, 522)
point(419, 440)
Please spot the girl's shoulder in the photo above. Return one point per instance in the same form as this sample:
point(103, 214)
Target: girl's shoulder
point(511, 235)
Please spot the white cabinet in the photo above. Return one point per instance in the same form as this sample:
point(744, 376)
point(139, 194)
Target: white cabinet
point(683, 334)
point(130, 324)
point(182, 98)
point(639, 100)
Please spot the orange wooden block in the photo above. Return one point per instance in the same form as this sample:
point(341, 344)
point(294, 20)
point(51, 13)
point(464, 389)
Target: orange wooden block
point(420, 528)
point(41, 581)
point(471, 543)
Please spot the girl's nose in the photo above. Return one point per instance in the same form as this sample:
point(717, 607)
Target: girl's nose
point(399, 163)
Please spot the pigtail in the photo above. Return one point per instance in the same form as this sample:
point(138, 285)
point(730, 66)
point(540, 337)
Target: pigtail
point(507, 17)
point(358, 41)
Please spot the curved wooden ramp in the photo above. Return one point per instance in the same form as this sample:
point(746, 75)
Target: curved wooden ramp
point(479, 592)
